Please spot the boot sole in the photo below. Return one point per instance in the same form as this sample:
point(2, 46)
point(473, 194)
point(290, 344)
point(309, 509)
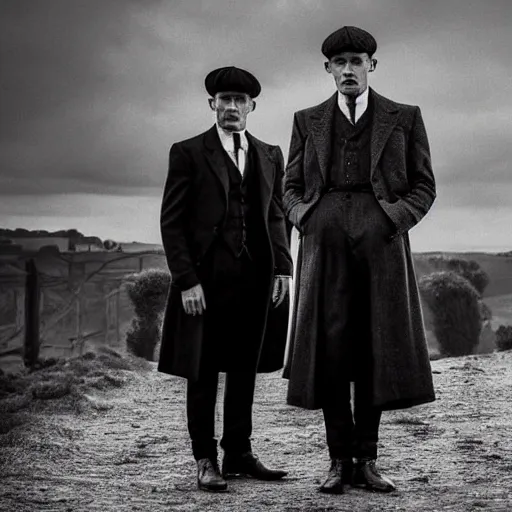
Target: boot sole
point(233, 476)
point(212, 489)
point(371, 488)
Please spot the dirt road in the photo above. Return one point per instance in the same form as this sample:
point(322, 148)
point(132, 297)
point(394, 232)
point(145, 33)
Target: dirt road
point(452, 455)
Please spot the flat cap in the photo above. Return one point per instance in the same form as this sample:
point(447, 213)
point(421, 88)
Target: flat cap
point(234, 79)
point(349, 39)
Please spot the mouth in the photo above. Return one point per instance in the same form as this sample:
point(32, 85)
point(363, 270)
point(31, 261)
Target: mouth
point(349, 82)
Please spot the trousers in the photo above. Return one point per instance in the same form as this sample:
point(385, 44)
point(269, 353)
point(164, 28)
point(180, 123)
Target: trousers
point(237, 418)
point(350, 225)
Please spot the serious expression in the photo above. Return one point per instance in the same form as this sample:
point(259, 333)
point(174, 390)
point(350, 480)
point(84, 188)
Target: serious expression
point(232, 109)
point(350, 71)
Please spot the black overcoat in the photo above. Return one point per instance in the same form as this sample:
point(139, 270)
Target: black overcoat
point(403, 183)
point(194, 210)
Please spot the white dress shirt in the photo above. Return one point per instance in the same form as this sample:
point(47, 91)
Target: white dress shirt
point(226, 139)
point(361, 104)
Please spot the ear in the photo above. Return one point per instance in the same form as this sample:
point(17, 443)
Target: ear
point(327, 66)
point(211, 102)
point(373, 65)
point(253, 106)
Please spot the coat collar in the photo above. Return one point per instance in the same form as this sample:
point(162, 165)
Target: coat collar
point(384, 119)
point(215, 156)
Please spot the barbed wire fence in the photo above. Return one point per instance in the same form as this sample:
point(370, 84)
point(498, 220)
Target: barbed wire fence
point(66, 304)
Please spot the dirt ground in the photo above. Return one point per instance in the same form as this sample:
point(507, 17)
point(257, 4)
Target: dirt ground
point(133, 452)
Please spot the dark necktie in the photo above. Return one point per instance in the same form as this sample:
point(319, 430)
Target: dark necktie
point(236, 140)
point(351, 104)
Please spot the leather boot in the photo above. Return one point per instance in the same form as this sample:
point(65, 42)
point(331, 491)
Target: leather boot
point(247, 464)
point(208, 476)
point(340, 474)
point(366, 475)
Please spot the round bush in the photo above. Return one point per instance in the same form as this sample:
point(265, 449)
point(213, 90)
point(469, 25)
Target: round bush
point(456, 311)
point(147, 291)
point(485, 311)
point(469, 269)
point(504, 337)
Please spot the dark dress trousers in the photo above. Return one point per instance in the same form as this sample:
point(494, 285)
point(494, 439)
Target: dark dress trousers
point(227, 233)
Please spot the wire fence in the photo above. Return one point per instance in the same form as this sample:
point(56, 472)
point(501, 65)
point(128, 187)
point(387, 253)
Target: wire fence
point(63, 304)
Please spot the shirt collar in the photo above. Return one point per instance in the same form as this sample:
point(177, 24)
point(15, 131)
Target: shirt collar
point(361, 103)
point(226, 139)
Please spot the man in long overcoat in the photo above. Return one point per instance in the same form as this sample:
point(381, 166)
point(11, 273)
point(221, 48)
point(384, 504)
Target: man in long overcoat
point(227, 248)
point(358, 178)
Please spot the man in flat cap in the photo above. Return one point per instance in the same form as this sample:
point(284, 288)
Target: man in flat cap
point(358, 178)
point(227, 248)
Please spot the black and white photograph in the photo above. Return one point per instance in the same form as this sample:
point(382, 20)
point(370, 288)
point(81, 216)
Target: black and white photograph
point(255, 256)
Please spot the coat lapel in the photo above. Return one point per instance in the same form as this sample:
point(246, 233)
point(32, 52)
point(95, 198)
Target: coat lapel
point(266, 170)
point(321, 128)
point(384, 120)
point(215, 156)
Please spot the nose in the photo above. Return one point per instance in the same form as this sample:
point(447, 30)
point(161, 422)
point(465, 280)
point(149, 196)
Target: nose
point(232, 104)
point(347, 69)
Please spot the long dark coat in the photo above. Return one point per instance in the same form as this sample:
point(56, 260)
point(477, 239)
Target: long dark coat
point(194, 210)
point(403, 183)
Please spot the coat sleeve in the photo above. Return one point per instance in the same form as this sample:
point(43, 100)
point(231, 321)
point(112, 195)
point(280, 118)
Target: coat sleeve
point(175, 204)
point(412, 207)
point(294, 177)
point(279, 232)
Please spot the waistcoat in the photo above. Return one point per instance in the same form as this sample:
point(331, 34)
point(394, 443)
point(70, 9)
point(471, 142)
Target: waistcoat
point(350, 161)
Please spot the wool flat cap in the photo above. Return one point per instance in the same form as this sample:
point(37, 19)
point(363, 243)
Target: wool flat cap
point(349, 39)
point(232, 79)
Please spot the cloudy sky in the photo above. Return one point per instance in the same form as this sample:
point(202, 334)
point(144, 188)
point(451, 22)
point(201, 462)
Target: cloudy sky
point(94, 92)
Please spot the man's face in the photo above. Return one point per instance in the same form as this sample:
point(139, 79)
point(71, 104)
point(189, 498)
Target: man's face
point(350, 71)
point(232, 109)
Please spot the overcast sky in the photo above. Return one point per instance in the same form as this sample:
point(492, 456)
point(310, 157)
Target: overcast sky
point(94, 92)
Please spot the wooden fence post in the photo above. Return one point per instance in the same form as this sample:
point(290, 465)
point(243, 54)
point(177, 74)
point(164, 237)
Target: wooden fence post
point(32, 306)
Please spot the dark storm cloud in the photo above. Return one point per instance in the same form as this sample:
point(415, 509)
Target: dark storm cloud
point(94, 92)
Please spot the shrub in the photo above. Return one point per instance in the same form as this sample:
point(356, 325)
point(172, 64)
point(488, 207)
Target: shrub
point(148, 293)
point(504, 337)
point(469, 269)
point(485, 311)
point(455, 307)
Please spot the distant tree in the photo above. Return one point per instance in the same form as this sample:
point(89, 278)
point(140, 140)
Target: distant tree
point(110, 245)
point(21, 232)
point(469, 269)
point(456, 311)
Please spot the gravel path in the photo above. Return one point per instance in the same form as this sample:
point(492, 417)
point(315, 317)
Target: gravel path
point(454, 454)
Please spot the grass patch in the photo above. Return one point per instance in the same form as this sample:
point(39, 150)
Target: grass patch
point(64, 385)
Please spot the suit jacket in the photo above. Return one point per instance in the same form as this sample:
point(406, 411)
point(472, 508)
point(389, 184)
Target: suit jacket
point(194, 206)
point(194, 210)
point(401, 171)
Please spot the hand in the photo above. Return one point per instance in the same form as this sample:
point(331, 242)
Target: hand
point(281, 285)
point(193, 300)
